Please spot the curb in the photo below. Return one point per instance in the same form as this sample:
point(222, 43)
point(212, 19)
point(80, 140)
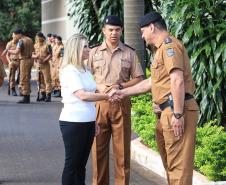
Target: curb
point(152, 161)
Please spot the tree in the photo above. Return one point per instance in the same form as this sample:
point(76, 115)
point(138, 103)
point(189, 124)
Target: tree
point(25, 14)
point(202, 27)
point(133, 11)
point(89, 16)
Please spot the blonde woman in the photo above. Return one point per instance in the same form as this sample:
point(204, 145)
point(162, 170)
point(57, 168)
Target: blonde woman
point(77, 119)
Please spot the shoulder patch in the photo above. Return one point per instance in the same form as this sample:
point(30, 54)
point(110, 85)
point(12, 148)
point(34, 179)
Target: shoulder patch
point(170, 52)
point(94, 45)
point(129, 46)
point(167, 40)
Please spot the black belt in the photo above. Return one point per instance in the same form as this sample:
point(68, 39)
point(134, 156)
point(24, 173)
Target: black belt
point(168, 103)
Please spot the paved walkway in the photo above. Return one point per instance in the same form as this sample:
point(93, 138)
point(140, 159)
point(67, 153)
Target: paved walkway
point(31, 148)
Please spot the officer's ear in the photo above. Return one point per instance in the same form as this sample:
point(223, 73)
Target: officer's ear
point(103, 29)
point(152, 27)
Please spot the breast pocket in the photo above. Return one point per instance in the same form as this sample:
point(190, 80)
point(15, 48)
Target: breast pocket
point(156, 71)
point(125, 65)
point(98, 66)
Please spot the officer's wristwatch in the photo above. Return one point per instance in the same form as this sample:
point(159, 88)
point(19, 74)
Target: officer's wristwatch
point(120, 86)
point(178, 115)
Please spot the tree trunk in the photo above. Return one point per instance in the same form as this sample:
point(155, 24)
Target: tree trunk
point(133, 11)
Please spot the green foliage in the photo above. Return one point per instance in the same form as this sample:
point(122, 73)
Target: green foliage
point(211, 151)
point(210, 140)
point(17, 13)
point(89, 16)
point(203, 31)
point(144, 119)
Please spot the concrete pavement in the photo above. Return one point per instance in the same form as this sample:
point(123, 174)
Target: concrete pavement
point(31, 146)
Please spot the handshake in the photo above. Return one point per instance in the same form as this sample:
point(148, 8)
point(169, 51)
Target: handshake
point(115, 95)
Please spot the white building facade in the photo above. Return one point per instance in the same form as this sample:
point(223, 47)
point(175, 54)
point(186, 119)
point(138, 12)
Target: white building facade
point(55, 18)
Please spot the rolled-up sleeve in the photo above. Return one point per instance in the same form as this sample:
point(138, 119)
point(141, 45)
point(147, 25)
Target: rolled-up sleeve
point(136, 69)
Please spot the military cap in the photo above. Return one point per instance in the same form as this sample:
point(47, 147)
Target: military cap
point(17, 31)
point(149, 18)
point(40, 34)
point(113, 20)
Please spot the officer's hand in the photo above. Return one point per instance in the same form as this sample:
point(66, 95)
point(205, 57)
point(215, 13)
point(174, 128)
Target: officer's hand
point(109, 88)
point(178, 126)
point(120, 94)
point(111, 92)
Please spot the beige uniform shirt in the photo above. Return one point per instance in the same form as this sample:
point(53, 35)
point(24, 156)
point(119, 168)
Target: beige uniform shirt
point(12, 45)
point(170, 54)
point(26, 46)
point(42, 50)
point(113, 68)
point(56, 52)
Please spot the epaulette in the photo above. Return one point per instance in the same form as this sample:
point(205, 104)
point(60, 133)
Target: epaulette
point(94, 45)
point(167, 40)
point(129, 46)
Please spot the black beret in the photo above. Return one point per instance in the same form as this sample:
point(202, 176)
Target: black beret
point(113, 20)
point(18, 31)
point(40, 34)
point(151, 17)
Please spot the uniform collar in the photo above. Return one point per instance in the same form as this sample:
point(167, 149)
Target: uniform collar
point(120, 46)
point(161, 40)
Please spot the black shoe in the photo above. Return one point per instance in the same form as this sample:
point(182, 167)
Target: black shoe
point(13, 90)
point(43, 97)
point(48, 97)
point(25, 100)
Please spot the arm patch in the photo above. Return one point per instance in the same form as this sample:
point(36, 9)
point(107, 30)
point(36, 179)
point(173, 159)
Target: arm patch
point(170, 52)
point(167, 40)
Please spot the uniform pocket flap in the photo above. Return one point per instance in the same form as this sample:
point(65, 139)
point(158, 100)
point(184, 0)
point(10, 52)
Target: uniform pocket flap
point(125, 63)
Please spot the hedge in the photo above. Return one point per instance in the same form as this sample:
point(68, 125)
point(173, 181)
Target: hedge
point(210, 155)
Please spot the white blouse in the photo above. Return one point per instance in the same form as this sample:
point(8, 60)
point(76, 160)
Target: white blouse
point(76, 110)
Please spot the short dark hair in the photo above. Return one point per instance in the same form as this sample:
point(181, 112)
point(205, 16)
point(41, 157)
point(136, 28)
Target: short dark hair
point(160, 24)
point(54, 35)
point(59, 38)
point(49, 34)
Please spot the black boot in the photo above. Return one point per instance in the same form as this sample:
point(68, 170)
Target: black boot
point(43, 96)
point(14, 91)
point(25, 100)
point(48, 97)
